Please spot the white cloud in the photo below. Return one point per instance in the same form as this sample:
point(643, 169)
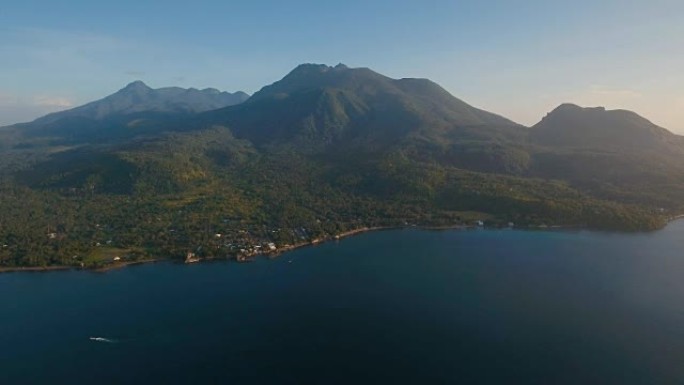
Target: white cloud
point(7, 99)
point(53, 102)
point(19, 108)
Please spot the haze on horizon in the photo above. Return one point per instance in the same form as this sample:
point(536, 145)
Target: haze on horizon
point(520, 60)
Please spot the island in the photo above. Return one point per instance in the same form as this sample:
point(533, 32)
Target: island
point(321, 154)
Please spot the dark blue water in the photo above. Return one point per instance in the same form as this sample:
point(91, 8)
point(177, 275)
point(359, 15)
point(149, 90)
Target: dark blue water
point(406, 306)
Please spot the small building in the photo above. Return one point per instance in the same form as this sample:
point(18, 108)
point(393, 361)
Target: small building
point(190, 257)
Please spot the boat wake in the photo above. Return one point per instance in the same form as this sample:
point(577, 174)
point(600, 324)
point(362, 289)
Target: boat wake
point(102, 339)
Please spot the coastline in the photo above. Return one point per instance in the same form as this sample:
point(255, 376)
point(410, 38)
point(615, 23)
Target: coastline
point(45, 269)
point(675, 218)
point(34, 269)
point(122, 265)
point(271, 254)
point(315, 242)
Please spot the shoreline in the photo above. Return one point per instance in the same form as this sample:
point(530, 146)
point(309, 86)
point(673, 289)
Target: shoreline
point(273, 254)
point(123, 265)
point(314, 242)
point(351, 233)
point(240, 259)
point(45, 269)
point(675, 218)
point(35, 269)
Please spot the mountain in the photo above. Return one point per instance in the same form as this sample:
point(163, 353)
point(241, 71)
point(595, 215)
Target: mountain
point(616, 155)
point(134, 110)
point(571, 126)
point(322, 151)
point(137, 97)
point(381, 94)
point(315, 106)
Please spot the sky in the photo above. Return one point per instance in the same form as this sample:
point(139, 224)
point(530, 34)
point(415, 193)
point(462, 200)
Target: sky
point(518, 58)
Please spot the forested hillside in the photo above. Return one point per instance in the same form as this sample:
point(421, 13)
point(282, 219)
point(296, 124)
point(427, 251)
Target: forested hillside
point(324, 151)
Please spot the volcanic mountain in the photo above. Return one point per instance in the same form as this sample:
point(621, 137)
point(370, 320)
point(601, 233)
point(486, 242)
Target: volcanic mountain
point(322, 151)
point(571, 126)
point(317, 105)
point(128, 112)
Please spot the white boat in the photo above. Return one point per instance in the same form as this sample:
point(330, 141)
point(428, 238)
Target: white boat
point(102, 339)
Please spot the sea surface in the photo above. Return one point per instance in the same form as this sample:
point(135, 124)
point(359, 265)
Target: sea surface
point(389, 307)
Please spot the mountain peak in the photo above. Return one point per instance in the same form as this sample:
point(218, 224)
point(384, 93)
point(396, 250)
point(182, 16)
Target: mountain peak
point(575, 126)
point(567, 107)
point(318, 104)
point(138, 97)
point(574, 108)
point(314, 68)
point(136, 86)
point(308, 68)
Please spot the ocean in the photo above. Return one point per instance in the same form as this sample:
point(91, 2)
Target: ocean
point(400, 306)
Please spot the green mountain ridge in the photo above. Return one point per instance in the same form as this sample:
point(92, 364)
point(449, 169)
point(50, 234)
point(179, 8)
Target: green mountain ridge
point(134, 110)
point(613, 154)
point(316, 108)
point(573, 126)
point(323, 151)
point(137, 97)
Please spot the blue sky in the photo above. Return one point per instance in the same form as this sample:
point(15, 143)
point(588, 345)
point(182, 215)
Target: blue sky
point(517, 58)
